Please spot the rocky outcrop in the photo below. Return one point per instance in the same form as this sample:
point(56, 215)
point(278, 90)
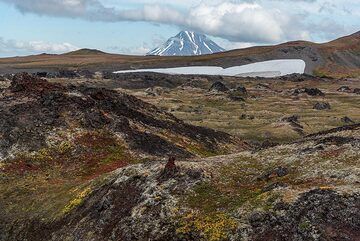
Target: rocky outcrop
point(134, 204)
point(218, 87)
point(32, 109)
point(347, 120)
point(344, 89)
point(316, 215)
point(294, 123)
point(309, 91)
point(322, 106)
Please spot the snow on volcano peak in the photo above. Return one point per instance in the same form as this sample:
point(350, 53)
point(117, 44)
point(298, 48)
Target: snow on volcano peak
point(187, 43)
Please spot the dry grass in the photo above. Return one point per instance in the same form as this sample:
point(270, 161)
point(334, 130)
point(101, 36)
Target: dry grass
point(263, 110)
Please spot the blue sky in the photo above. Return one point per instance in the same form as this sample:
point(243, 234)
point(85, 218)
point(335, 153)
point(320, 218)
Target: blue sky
point(137, 26)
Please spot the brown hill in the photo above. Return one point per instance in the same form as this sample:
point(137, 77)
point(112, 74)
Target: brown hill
point(338, 58)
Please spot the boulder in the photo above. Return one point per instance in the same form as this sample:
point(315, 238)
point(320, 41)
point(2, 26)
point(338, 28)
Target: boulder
point(41, 74)
point(218, 87)
point(276, 172)
point(322, 106)
point(247, 117)
point(293, 118)
point(347, 120)
point(309, 91)
point(344, 89)
point(241, 89)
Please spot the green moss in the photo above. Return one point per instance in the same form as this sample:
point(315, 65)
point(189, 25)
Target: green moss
point(320, 73)
point(115, 153)
point(265, 201)
point(201, 151)
point(304, 225)
point(230, 189)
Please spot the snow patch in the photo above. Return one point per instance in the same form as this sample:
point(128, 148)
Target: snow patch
point(272, 68)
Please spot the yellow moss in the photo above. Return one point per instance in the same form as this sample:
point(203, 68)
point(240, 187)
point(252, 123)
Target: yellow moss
point(215, 227)
point(43, 154)
point(76, 201)
point(64, 147)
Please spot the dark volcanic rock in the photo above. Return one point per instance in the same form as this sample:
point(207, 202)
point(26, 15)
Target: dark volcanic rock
point(357, 91)
point(344, 89)
point(32, 107)
point(133, 205)
point(241, 89)
point(309, 91)
point(247, 117)
point(347, 120)
point(277, 172)
point(294, 122)
point(218, 86)
point(238, 94)
point(322, 106)
point(298, 77)
point(334, 130)
point(293, 118)
point(316, 215)
point(41, 74)
point(69, 74)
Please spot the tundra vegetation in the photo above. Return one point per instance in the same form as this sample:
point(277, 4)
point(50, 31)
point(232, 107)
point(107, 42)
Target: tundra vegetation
point(87, 158)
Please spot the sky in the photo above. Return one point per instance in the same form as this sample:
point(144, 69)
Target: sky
point(137, 26)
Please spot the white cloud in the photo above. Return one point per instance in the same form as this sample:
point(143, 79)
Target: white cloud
point(255, 21)
point(26, 47)
point(248, 22)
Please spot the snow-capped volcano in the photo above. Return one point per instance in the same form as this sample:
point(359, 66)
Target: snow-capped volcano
point(187, 43)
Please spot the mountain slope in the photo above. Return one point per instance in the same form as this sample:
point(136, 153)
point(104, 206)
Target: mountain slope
point(341, 56)
point(338, 58)
point(187, 43)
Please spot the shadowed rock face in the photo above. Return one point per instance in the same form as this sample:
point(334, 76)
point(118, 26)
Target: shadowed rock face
point(316, 215)
point(31, 108)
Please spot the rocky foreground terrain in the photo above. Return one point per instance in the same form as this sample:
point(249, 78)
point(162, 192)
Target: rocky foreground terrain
point(80, 162)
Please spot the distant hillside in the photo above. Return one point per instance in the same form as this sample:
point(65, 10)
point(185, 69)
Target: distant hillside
point(85, 52)
point(340, 58)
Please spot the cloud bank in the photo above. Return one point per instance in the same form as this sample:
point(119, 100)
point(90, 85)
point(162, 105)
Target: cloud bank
point(240, 22)
point(24, 48)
